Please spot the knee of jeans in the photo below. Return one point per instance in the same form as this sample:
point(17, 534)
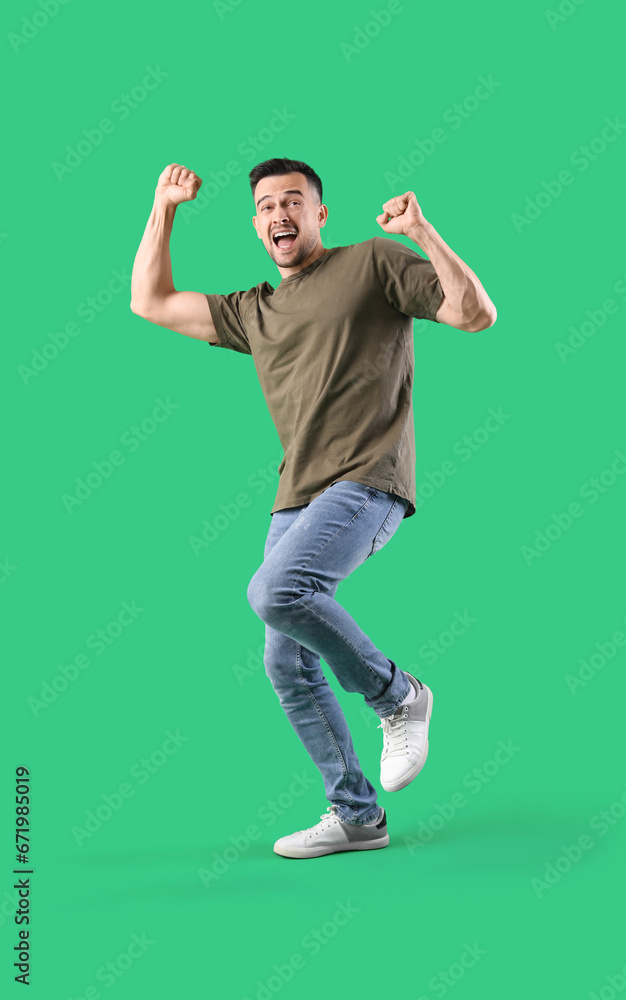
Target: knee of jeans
point(271, 669)
point(255, 594)
point(282, 679)
point(261, 597)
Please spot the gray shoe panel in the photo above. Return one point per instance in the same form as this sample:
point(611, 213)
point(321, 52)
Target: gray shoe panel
point(356, 832)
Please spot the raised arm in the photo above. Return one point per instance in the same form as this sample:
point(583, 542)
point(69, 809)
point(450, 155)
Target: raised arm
point(153, 295)
point(465, 304)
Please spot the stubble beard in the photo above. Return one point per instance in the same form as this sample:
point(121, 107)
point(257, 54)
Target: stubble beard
point(306, 245)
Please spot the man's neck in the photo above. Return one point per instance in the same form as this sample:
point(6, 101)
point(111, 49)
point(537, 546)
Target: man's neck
point(321, 252)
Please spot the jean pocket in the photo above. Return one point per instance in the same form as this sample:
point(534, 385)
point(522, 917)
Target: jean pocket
point(390, 525)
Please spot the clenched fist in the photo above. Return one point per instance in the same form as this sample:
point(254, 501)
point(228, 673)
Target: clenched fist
point(177, 184)
point(404, 215)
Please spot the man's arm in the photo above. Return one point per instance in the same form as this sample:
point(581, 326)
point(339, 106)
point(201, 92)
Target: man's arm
point(465, 304)
point(153, 295)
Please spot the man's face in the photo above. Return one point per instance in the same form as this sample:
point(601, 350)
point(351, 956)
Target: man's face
point(288, 203)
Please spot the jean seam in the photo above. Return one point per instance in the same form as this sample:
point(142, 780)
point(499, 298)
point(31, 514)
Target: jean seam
point(339, 530)
point(393, 506)
point(329, 729)
point(363, 821)
point(399, 702)
point(337, 632)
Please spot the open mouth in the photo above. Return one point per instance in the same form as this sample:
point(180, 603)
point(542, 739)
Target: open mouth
point(284, 240)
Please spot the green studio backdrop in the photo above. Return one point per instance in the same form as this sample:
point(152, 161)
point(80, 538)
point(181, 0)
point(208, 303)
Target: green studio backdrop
point(161, 767)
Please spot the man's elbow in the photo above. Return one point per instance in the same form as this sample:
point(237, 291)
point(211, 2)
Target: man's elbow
point(484, 320)
point(137, 308)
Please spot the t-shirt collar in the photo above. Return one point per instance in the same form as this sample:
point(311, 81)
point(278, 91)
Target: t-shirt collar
point(319, 260)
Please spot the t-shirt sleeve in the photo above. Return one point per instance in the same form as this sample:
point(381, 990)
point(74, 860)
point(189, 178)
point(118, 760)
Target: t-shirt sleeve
point(229, 318)
point(408, 280)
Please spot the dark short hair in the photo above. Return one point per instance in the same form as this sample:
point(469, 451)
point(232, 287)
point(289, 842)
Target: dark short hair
point(280, 166)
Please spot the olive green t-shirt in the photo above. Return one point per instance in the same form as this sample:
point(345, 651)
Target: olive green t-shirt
point(333, 350)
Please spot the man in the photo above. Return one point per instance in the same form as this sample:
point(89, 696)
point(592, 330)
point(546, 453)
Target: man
point(333, 350)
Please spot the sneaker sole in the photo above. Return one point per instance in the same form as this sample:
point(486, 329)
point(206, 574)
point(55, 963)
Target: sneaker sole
point(366, 845)
point(413, 773)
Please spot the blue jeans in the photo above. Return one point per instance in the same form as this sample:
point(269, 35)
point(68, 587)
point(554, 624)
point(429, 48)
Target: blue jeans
point(309, 550)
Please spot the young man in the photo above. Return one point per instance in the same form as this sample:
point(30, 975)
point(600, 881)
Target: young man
point(333, 350)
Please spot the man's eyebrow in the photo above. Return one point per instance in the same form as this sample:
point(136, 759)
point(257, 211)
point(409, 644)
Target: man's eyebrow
point(284, 192)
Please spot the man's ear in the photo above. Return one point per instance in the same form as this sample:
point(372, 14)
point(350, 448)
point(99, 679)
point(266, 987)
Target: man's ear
point(256, 227)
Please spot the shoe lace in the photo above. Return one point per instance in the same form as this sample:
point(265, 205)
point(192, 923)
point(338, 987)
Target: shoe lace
point(394, 729)
point(326, 817)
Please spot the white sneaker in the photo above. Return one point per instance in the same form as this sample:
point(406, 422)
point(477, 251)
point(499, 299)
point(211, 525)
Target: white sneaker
point(332, 835)
point(405, 740)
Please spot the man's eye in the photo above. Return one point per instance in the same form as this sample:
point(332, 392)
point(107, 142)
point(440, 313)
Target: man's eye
point(291, 203)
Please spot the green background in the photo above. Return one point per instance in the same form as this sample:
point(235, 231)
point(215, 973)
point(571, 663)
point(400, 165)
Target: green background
point(181, 665)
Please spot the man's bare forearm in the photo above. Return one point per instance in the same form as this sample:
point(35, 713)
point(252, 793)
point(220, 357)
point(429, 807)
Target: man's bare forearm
point(462, 289)
point(152, 271)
